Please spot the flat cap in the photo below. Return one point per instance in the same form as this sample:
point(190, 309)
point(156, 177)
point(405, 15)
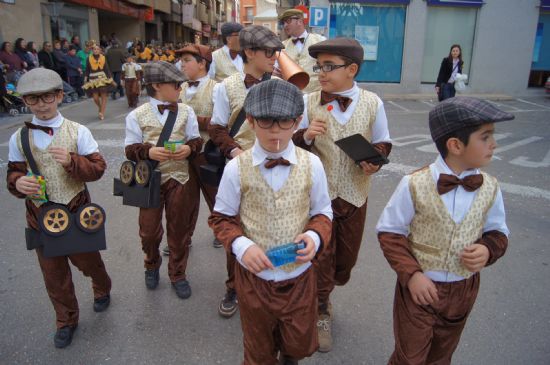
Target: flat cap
point(346, 47)
point(38, 81)
point(161, 72)
point(461, 112)
point(257, 36)
point(203, 52)
point(229, 28)
point(274, 99)
point(291, 12)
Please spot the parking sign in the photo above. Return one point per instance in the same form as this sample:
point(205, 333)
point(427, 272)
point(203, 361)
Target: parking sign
point(318, 16)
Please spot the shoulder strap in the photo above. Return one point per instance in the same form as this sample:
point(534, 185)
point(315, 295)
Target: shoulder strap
point(242, 115)
point(27, 150)
point(165, 134)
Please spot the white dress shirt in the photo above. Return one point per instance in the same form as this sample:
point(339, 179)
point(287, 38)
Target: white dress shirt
point(192, 90)
point(135, 135)
point(228, 200)
point(300, 45)
point(86, 143)
point(380, 131)
point(237, 62)
point(399, 211)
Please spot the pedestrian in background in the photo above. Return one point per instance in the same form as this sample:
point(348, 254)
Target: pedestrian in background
point(450, 66)
point(115, 59)
point(60, 59)
point(98, 80)
point(46, 58)
point(20, 49)
point(74, 70)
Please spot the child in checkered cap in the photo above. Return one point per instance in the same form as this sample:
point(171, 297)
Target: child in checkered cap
point(442, 226)
point(271, 195)
point(143, 129)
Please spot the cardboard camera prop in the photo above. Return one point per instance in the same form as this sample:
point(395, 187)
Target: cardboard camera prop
point(138, 184)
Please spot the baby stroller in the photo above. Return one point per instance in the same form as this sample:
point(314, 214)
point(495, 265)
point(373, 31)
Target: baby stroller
point(12, 101)
point(69, 93)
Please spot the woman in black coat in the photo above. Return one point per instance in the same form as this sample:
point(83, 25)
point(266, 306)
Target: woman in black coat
point(450, 66)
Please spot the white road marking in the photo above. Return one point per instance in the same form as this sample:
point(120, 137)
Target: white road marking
point(524, 161)
point(398, 106)
point(535, 104)
point(522, 190)
point(517, 144)
point(428, 103)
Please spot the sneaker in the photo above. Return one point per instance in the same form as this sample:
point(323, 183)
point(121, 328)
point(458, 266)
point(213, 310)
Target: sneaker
point(283, 360)
point(64, 336)
point(324, 332)
point(100, 304)
point(166, 251)
point(229, 304)
point(152, 279)
point(183, 290)
point(216, 243)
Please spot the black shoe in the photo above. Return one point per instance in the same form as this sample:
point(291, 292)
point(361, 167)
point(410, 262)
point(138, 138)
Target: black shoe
point(283, 360)
point(64, 336)
point(113, 96)
point(100, 304)
point(166, 251)
point(229, 304)
point(216, 243)
point(183, 290)
point(152, 278)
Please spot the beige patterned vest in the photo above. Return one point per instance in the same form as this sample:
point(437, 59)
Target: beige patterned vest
point(224, 66)
point(151, 129)
point(345, 179)
point(60, 187)
point(202, 102)
point(436, 239)
point(236, 93)
point(304, 60)
point(270, 218)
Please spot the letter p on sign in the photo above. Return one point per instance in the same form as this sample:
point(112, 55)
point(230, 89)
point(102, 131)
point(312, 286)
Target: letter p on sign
point(319, 16)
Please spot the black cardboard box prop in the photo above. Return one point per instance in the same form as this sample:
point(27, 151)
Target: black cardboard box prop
point(140, 196)
point(359, 149)
point(211, 174)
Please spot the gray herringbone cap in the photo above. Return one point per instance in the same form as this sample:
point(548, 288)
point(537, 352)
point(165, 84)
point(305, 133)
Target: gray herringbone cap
point(38, 81)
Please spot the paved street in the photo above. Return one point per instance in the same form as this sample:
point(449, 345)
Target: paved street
point(510, 323)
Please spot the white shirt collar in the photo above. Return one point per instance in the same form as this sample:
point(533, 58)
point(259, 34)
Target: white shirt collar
point(442, 168)
point(259, 155)
point(350, 93)
point(303, 35)
point(155, 102)
point(55, 122)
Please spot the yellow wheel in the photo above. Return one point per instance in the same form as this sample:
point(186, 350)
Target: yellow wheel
point(90, 218)
point(143, 173)
point(55, 220)
point(127, 171)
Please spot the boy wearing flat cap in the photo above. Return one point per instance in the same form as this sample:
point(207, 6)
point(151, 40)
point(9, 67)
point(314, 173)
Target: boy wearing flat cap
point(298, 43)
point(227, 60)
point(143, 128)
point(339, 110)
point(259, 48)
point(131, 77)
point(270, 195)
point(67, 156)
point(197, 92)
point(443, 224)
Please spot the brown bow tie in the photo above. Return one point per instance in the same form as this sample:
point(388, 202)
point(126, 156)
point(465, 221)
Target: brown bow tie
point(173, 107)
point(446, 183)
point(296, 40)
point(343, 101)
point(193, 83)
point(47, 130)
point(272, 162)
point(250, 81)
point(233, 54)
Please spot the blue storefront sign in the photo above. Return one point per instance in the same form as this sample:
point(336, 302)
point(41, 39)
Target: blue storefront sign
point(545, 5)
point(475, 3)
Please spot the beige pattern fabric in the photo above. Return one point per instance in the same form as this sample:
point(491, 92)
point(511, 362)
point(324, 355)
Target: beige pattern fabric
point(201, 102)
point(436, 239)
point(269, 218)
point(304, 60)
point(346, 180)
point(224, 66)
point(151, 129)
point(60, 187)
point(129, 71)
point(236, 93)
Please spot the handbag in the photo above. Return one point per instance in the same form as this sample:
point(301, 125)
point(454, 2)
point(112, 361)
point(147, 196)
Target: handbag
point(139, 183)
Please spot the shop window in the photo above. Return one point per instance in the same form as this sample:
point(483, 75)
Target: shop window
point(380, 29)
point(447, 26)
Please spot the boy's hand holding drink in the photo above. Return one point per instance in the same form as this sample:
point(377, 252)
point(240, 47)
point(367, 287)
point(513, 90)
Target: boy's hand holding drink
point(256, 260)
point(34, 186)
